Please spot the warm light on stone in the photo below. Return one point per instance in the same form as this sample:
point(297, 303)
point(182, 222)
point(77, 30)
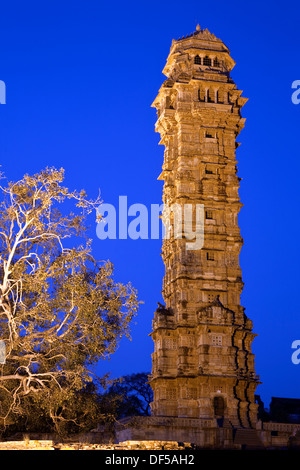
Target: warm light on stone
point(203, 366)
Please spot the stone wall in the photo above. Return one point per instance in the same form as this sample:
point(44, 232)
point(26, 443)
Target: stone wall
point(126, 445)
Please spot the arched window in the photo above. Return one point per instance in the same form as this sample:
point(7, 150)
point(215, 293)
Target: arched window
point(219, 406)
point(201, 95)
point(206, 61)
point(209, 96)
point(197, 60)
point(216, 63)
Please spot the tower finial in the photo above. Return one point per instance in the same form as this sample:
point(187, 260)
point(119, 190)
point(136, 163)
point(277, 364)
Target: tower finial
point(198, 27)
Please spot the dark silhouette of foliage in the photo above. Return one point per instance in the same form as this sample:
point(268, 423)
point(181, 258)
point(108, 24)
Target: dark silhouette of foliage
point(131, 395)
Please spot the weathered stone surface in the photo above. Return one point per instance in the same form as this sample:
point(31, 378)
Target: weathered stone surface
point(200, 433)
point(203, 366)
point(126, 445)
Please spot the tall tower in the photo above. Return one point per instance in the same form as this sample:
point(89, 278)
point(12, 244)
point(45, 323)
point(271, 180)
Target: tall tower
point(203, 366)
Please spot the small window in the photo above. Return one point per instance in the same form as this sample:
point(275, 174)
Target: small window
point(216, 63)
point(169, 343)
point(209, 97)
point(171, 394)
point(208, 214)
point(210, 256)
point(216, 340)
point(208, 135)
point(197, 60)
point(208, 171)
point(206, 61)
point(191, 393)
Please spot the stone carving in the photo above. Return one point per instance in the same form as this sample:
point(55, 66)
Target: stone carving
point(162, 309)
point(202, 289)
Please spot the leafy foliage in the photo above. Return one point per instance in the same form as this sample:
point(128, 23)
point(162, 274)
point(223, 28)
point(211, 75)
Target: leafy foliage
point(60, 310)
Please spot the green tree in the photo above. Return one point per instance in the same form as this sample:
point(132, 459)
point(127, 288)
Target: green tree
point(60, 310)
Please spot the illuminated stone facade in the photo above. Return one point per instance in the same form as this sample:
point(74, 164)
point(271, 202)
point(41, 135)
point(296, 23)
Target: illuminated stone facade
point(203, 366)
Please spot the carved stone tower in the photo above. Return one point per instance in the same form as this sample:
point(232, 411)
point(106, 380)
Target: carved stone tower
point(203, 366)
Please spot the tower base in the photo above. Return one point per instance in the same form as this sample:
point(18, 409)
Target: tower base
point(202, 433)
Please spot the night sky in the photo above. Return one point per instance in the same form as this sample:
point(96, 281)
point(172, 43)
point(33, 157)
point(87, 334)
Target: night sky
point(80, 80)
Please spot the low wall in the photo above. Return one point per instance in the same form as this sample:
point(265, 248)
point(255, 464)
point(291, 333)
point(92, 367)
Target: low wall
point(127, 445)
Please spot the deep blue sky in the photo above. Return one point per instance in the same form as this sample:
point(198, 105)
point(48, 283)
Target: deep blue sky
point(80, 78)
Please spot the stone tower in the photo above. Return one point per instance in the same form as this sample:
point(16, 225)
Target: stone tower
point(203, 366)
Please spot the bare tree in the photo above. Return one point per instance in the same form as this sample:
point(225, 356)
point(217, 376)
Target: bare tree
point(60, 309)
